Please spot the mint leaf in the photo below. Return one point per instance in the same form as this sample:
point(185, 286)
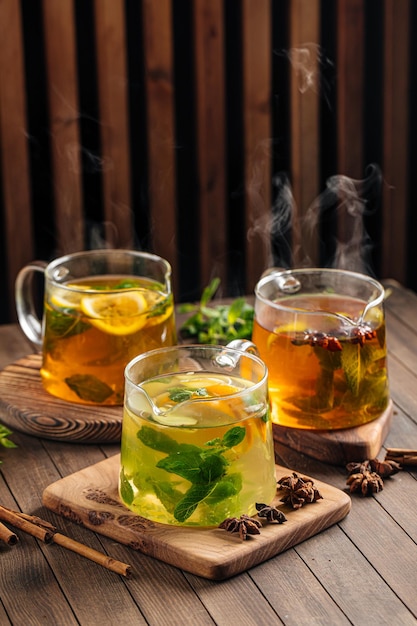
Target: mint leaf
point(168, 495)
point(204, 467)
point(209, 291)
point(181, 394)
point(89, 387)
point(351, 364)
point(126, 284)
point(186, 507)
point(324, 391)
point(157, 440)
point(185, 464)
point(4, 441)
point(65, 324)
point(194, 466)
point(217, 324)
point(234, 436)
point(126, 490)
point(227, 487)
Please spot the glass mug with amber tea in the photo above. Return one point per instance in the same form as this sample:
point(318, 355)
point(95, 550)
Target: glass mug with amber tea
point(101, 308)
point(197, 443)
point(321, 333)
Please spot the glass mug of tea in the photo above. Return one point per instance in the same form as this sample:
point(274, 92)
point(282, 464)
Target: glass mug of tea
point(197, 444)
point(321, 333)
point(101, 308)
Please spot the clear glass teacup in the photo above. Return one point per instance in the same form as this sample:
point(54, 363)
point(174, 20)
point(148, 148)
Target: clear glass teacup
point(101, 308)
point(197, 444)
point(321, 333)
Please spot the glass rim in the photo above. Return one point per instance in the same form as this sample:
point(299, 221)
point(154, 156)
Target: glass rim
point(55, 263)
point(263, 379)
point(364, 278)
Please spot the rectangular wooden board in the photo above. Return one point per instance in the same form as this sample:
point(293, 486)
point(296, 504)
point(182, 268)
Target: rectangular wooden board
point(90, 497)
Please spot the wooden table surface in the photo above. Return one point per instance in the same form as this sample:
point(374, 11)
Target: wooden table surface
point(360, 571)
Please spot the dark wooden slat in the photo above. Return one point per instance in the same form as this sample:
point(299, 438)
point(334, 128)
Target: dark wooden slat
point(17, 241)
point(397, 16)
point(211, 138)
point(350, 106)
point(64, 124)
point(159, 85)
point(256, 59)
point(304, 142)
point(350, 67)
point(113, 106)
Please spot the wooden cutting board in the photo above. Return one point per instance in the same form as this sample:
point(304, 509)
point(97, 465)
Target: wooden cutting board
point(90, 497)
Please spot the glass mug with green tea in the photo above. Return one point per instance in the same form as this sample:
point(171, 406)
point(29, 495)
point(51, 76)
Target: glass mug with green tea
point(197, 443)
point(101, 308)
point(321, 333)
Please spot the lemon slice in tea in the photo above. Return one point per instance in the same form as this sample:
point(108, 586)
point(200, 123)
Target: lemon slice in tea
point(65, 299)
point(116, 313)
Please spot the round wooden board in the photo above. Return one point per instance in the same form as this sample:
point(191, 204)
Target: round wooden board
point(27, 407)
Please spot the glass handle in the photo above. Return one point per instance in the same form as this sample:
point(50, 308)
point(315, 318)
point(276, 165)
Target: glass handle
point(227, 360)
point(26, 312)
point(244, 345)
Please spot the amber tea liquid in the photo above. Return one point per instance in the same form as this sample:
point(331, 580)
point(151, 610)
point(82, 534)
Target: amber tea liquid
point(94, 327)
point(329, 376)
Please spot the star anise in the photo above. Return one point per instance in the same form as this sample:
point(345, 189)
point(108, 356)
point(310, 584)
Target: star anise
point(358, 467)
point(385, 468)
point(299, 490)
point(366, 483)
point(244, 525)
point(271, 513)
point(366, 477)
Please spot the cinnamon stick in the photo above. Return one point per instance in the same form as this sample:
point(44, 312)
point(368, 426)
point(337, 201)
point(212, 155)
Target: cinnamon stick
point(7, 536)
point(48, 533)
point(403, 456)
point(89, 553)
point(17, 521)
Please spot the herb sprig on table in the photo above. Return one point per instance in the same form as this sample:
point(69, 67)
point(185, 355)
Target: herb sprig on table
point(217, 324)
point(4, 440)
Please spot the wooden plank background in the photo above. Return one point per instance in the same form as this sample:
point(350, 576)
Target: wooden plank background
point(225, 135)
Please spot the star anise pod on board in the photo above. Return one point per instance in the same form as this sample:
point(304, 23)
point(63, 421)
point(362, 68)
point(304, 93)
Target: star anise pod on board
point(270, 513)
point(244, 525)
point(299, 490)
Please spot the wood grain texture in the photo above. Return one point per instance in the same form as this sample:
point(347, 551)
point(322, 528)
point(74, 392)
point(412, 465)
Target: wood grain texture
point(90, 497)
point(113, 98)
point(211, 137)
point(305, 126)
point(14, 152)
point(256, 59)
point(60, 48)
point(350, 113)
point(396, 133)
point(27, 407)
point(340, 446)
point(160, 102)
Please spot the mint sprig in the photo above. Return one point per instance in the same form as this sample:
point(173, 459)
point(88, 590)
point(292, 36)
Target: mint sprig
point(204, 467)
point(217, 324)
point(4, 438)
point(181, 394)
